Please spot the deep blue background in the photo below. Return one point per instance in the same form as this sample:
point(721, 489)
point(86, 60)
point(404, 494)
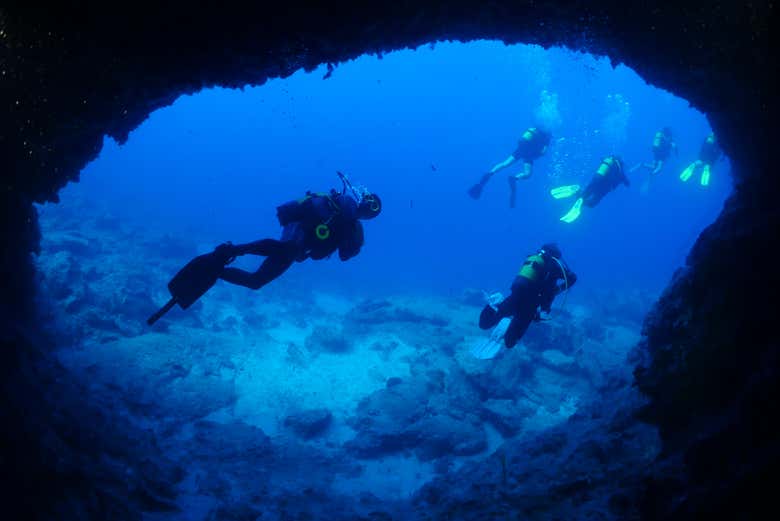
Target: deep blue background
point(419, 127)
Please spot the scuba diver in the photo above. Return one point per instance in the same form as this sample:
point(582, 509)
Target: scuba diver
point(663, 144)
point(609, 175)
point(313, 227)
point(541, 278)
point(533, 144)
point(709, 152)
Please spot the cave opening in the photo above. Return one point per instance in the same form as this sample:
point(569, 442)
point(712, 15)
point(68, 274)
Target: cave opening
point(310, 379)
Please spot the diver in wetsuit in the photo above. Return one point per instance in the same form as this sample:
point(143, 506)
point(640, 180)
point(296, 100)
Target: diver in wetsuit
point(313, 228)
point(542, 276)
point(709, 153)
point(609, 175)
point(533, 144)
point(663, 144)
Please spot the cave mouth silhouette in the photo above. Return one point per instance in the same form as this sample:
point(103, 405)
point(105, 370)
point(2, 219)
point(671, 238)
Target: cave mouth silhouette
point(716, 440)
point(234, 166)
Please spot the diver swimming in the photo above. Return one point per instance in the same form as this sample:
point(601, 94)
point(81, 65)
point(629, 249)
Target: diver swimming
point(532, 145)
point(663, 144)
point(313, 227)
point(709, 153)
point(542, 277)
point(609, 175)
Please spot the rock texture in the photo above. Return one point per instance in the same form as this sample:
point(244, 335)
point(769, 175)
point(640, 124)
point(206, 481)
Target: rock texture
point(709, 365)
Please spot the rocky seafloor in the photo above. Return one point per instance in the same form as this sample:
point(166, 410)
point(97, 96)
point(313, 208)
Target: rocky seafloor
point(294, 403)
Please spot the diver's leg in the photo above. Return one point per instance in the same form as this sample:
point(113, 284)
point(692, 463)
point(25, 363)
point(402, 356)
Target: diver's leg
point(271, 268)
point(654, 169)
point(525, 174)
point(705, 175)
point(488, 317)
point(264, 247)
point(659, 164)
point(491, 316)
point(527, 170)
point(593, 198)
point(517, 327)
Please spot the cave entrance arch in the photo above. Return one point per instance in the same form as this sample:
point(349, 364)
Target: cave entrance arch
point(60, 56)
point(609, 118)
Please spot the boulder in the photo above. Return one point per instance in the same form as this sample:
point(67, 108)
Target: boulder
point(309, 424)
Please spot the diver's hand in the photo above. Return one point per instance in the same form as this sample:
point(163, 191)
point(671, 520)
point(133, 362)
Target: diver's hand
point(543, 315)
point(494, 299)
point(226, 250)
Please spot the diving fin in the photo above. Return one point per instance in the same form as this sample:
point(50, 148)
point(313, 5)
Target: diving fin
point(705, 175)
point(489, 347)
point(562, 192)
point(193, 280)
point(476, 191)
point(688, 172)
point(574, 213)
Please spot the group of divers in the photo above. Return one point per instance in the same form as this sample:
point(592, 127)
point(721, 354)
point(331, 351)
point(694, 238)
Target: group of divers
point(609, 175)
point(319, 224)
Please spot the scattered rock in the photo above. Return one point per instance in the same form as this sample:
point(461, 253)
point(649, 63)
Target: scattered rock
point(308, 424)
point(328, 340)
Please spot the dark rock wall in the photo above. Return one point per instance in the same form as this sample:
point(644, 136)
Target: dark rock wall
point(70, 75)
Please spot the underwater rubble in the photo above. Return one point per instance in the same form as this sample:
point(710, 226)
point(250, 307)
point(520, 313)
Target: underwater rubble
point(238, 419)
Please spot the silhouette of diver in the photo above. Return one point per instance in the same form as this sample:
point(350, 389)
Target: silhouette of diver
point(314, 227)
point(609, 175)
point(541, 278)
point(532, 145)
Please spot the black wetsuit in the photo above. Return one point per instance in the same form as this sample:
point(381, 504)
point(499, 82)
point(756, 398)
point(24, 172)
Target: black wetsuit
point(532, 145)
point(313, 228)
point(662, 146)
point(709, 151)
point(601, 184)
point(530, 292)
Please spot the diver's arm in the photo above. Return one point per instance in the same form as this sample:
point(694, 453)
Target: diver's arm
point(564, 283)
point(503, 164)
point(546, 300)
point(351, 244)
point(571, 278)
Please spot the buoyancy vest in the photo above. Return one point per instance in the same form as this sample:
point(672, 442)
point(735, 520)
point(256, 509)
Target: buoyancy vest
point(533, 268)
point(317, 209)
point(607, 166)
point(530, 134)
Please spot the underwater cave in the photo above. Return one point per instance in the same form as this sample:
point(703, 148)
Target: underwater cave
point(346, 390)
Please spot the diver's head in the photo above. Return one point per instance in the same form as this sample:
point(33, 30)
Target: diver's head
point(667, 131)
point(369, 207)
point(550, 249)
point(545, 136)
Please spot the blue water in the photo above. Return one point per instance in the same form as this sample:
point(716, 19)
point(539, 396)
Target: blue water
point(419, 127)
point(214, 385)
